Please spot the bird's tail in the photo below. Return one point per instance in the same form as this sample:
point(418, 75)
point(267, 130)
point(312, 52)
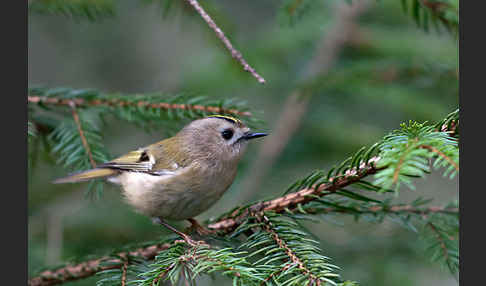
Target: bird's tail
point(86, 175)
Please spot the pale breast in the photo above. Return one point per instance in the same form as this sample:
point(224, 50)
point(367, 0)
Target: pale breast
point(183, 194)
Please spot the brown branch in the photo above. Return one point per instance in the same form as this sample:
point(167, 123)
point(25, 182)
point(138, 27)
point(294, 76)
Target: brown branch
point(399, 165)
point(124, 274)
point(91, 267)
point(79, 102)
point(162, 274)
point(392, 209)
point(219, 33)
point(438, 152)
point(81, 134)
point(303, 196)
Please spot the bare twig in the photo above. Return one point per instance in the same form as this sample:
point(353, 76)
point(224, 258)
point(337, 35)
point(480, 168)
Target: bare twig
point(81, 134)
point(219, 33)
point(79, 102)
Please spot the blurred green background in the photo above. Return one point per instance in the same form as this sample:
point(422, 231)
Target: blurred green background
point(392, 72)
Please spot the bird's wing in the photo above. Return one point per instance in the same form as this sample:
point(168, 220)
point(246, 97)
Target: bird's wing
point(144, 160)
point(138, 161)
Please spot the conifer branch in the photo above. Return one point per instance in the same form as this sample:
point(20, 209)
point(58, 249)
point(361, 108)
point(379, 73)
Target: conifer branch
point(268, 227)
point(446, 11)
point(439, 238)
point(219, 33)
point(91, 267)
point(124, 273)
point(292, 200)
point(78, 9)
point(396, 209)
point(441, 154)
point(81, 134)
point(80, 102)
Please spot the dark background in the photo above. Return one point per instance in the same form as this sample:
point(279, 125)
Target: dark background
point(393, 72)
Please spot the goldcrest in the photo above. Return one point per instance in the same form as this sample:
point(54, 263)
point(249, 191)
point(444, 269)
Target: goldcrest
point(182, 176)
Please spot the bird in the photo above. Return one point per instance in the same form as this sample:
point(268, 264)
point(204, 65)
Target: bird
point(179, 177)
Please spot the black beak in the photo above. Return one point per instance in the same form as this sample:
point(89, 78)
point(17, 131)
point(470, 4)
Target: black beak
point(250, 135)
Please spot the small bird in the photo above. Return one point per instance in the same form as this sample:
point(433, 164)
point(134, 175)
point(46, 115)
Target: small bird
point(179, 177)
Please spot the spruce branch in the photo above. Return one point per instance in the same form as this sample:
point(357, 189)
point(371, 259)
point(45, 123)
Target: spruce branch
point(78, 9)
point(284, 253)
point(124, 274)
point(441, 154)
point(394, 209)
point(400, 154)
point(423, 11)
point(107, 102)
point(441, 235)
point(291, 201)
point(182, 260)
point(91, 267)
point(268, 227)
point(81, 134)
point(219, 33)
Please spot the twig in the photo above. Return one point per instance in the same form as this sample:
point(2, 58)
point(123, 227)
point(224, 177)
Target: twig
point(91, 267)
point(438, 152)
point(124, 273)
point(391, 209)
point(219, 33)
point(81, 134)
point(440, 238)
point(437, 8)
point(268, 227)
point(79, 102)
point(283, 269)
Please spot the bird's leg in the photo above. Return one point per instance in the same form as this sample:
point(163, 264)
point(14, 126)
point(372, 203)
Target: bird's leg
point(201, 230)
point(184, 236)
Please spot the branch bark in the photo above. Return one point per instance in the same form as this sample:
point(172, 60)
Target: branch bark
point(91, 267)
point(112, 102)
point(219, 33)
point(81, 134)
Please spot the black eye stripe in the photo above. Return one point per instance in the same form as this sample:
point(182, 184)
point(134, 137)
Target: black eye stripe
point(227, 134)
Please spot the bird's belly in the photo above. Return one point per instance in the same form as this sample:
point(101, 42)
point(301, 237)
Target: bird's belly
point(168, 196)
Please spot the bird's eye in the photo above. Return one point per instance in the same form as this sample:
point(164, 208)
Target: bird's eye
point(227, 134)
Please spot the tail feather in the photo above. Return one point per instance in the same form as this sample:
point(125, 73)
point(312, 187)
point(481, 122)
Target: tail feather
point(86, 175)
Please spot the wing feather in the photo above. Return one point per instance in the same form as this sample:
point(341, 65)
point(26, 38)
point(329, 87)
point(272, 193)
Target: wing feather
point(138, 161)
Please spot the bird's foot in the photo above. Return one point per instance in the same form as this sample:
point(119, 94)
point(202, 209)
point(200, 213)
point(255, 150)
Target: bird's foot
point(187, 239)
point(201, 230)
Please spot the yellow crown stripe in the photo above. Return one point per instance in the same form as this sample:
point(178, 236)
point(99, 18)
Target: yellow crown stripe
point(228, 118)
